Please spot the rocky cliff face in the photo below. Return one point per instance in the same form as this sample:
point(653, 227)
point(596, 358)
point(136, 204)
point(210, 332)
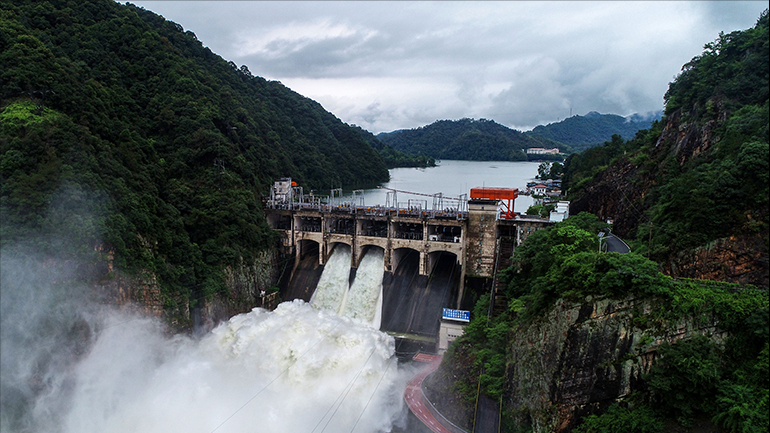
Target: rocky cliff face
point(576, 360)
point(245, 284)
point(741, 258)
point(621, 192)
point(581, 358)
point(141, 292)
point(617, 194)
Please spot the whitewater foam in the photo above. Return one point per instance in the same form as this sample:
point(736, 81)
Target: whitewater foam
point(332, 288)
point(364, 299)
point(294, 369)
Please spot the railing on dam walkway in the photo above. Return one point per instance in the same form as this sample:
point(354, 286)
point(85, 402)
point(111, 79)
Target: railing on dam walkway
point(348, 208)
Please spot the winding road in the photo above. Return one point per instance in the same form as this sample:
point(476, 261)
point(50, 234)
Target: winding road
point(615, 245)
point(416, 400)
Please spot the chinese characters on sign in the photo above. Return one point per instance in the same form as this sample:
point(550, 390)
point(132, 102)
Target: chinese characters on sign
point(460, 315)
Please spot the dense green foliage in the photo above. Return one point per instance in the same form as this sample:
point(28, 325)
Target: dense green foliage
point(395, 158)
point(722, 380)
point(117, 126)
point(549, 170)
point(466, 139)
point(541, 210)
point(689, 196)
point(623, 419)
point(697, 377)
point(580, 168)
point(583, 132)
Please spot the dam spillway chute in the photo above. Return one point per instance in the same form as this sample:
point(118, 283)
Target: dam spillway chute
point(333, 285)
point(364, 300)
point(305, 274)
point(412, 302)
point(438, 294)
point(399, 290)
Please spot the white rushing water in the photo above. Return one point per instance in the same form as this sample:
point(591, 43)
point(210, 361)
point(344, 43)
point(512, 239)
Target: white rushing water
point(364, 300)
point(294, 369)
point(333, 285)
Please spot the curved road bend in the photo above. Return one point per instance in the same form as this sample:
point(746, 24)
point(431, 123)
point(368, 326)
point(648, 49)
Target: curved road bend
point(414, 398)
point(616, 245)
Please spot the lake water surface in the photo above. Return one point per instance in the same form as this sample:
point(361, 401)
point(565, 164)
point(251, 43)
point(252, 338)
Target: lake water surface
point(453, 178)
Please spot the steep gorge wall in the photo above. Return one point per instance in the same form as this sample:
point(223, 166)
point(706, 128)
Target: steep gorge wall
point(581, 357)
point(616, 193)
point(245, 284)
point(741, 258)
point(621, 192)
point(141, 292)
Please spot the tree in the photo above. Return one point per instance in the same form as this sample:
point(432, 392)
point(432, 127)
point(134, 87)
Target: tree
point(543, 170)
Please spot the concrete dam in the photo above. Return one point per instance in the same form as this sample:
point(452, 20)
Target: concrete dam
point(429, 256)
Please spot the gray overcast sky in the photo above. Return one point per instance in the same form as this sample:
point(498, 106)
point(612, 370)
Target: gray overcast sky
point(396, 64)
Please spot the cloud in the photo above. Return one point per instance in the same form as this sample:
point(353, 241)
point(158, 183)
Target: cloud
point(418, 62)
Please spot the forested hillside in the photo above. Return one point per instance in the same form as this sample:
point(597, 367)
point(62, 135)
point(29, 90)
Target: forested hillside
point(693, 189)
point(466, 139)
point(583, 132)
point(118, 128)
point(395, 158)
point(672, 336)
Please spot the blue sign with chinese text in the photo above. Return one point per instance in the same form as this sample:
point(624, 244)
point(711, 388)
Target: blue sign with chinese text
point(460, 315)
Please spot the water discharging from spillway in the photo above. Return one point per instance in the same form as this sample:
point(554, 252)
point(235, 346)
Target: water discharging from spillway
point(363, 299)
point(294, 369)
point(333, 286)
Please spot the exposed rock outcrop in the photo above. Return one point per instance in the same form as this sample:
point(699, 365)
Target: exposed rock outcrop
point(245, 283)
point(741, 258)
point(141, 292)
point(575, 360)
point(581, 358)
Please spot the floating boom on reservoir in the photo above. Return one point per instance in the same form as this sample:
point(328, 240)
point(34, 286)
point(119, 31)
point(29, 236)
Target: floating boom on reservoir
point(492, 193)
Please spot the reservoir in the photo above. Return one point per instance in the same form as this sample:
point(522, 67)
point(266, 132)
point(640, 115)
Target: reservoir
point(453, 178)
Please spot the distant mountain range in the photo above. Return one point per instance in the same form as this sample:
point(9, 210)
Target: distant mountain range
point(467, 139)
point(470, 139)
point(584, 132)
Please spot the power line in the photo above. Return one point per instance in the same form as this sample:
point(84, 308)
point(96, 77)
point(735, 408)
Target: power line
point(276, 378)
point(373, 392)
point(346, 391)
point(422, 194)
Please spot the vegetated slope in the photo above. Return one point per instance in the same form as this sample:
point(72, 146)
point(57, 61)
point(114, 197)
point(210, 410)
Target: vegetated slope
point(583, 132)
point(693, 190)
point(395, 158)
point(119, 128)
point(466, 139)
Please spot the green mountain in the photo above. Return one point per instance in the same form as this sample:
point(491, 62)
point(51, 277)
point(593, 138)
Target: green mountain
point(121, 132)
point(395, 158)
point(694, 187)
point(583, 132)
point(466, 139)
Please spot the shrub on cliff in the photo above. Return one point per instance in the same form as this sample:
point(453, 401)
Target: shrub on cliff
point(622, 419)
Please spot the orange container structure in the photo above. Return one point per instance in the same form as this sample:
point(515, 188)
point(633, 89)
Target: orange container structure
point(492, 193)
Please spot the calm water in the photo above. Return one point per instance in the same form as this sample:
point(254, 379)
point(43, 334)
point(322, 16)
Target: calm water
point(453, 178)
